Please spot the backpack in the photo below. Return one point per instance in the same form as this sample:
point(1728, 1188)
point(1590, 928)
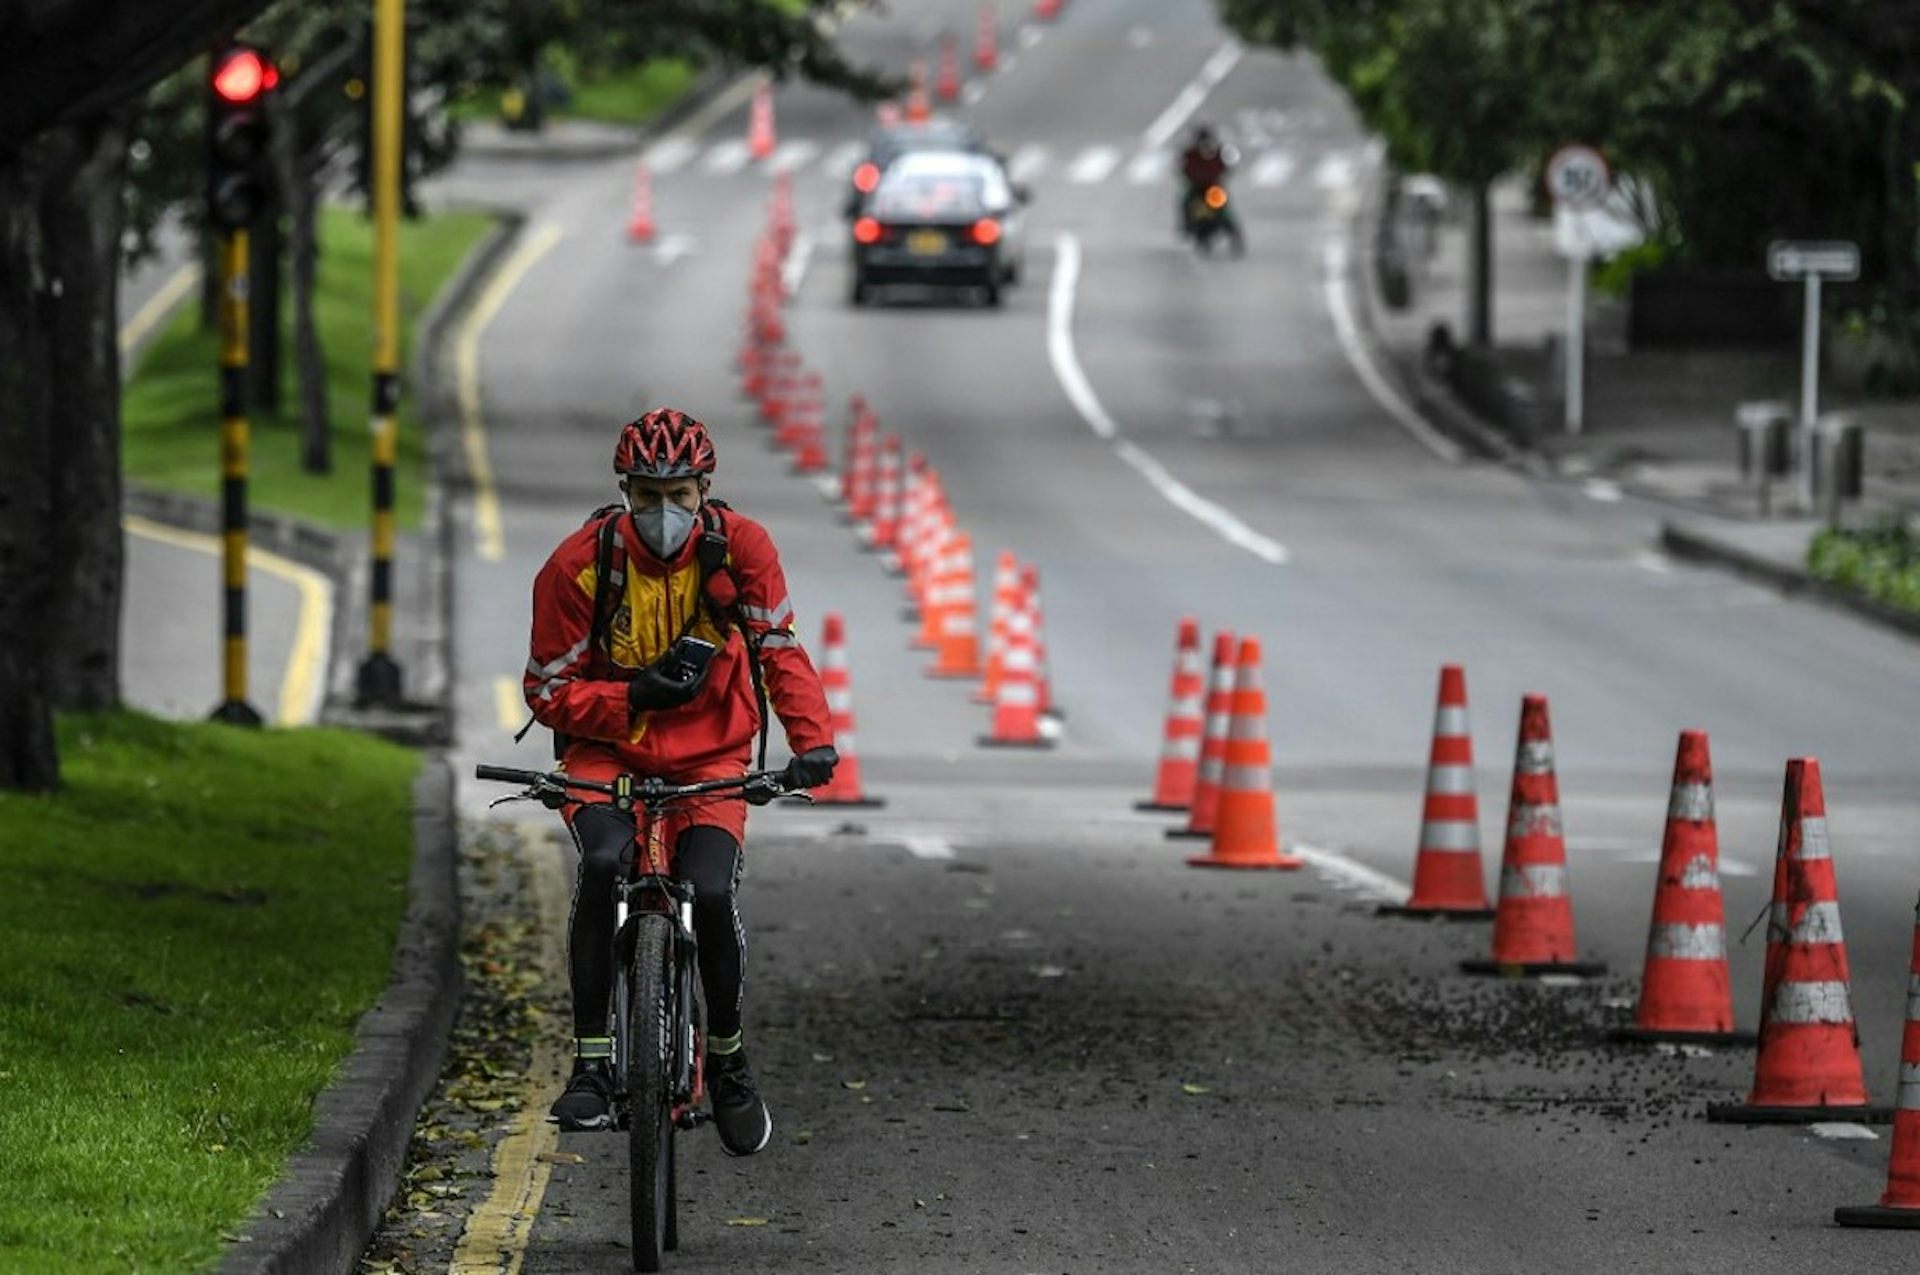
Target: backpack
point(719, 595)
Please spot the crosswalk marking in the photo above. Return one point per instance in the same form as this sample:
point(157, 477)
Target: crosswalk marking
point(1027, 163)
point(1273, 169)
point(840, 160)
point(1093, 164)
point(727, 157)
point(1334, 170)
point(791, 156)
point(1150, 166)
point(671, 153)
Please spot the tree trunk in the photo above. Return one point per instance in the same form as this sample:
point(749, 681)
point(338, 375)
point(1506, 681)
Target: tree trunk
point(265, 252)
point(81, 217)
point(303, 251)
point(1480, 267)
point(28, 757)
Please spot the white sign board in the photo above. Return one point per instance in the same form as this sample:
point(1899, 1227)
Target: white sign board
point(1578, 177)
point(1830, 259)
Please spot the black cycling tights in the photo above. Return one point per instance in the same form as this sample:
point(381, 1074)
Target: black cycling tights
point(707, 857)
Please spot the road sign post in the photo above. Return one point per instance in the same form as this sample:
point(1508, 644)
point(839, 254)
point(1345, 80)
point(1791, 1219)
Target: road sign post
point(1578, 179)
point(1811, 262)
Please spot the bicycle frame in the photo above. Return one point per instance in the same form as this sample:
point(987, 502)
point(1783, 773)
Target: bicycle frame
point(653, 889)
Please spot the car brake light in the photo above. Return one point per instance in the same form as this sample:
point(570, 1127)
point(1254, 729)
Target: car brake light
point(866, 177)
point(866, 230)
point(1216, 197)
point(986, 231)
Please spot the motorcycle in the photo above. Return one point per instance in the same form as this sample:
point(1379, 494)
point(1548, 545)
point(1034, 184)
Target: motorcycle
point(1209, 213)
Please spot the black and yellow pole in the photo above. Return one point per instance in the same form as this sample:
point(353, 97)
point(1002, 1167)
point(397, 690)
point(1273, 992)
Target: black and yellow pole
point(379, 681)
point(234, 429)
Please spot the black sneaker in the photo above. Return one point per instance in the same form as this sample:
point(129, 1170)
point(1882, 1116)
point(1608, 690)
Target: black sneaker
point(587, 1105)
point(738, 1113)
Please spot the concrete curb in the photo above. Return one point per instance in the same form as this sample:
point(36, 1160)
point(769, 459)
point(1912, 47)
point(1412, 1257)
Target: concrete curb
point(319, 1215)
point(1696, 545)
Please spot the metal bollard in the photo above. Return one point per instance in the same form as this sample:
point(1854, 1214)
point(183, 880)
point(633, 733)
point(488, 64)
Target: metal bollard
point(1839, 473)
point(1764, 451)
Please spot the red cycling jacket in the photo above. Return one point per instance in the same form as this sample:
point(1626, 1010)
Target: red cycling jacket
point(582, 694)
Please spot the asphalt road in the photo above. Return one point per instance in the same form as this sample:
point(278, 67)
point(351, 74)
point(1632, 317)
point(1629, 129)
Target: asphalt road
point(1015, 967)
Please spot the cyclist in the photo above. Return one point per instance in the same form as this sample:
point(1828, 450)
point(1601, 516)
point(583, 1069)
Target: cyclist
point(1205, 162)
point(677, 565)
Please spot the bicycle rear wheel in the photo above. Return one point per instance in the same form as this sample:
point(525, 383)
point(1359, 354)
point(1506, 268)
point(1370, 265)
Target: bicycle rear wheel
point(649, 1028)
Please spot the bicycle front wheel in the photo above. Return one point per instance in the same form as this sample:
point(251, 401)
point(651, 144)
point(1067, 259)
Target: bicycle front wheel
point(649, 1028)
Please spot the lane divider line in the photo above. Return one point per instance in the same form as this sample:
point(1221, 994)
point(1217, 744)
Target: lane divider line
point(1188, 100)
point(491, 541)
point(1067, 370)
point(1340, 307)
point(794, 269)
point(158, 306)
point(302, 683)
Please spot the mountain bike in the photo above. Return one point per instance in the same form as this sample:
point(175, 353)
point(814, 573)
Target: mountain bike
point(659, 1047)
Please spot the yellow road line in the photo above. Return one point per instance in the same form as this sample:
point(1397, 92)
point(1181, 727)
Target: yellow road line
point(158, 306)
point(510, 702)
point(307, 654)
point(473, 436)
point(495, 1239)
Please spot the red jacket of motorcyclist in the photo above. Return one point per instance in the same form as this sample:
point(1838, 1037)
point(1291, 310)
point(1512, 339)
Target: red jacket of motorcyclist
point(1204, 162)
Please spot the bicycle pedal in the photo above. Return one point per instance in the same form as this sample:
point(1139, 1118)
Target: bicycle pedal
point(694, 1119)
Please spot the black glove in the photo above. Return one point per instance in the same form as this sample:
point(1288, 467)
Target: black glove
point(653, 689)
point(810, 769)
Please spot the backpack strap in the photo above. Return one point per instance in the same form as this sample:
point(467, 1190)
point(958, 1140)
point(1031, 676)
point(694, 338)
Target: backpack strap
point(720, 591)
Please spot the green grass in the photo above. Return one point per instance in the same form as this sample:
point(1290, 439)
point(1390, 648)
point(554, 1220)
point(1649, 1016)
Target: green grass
point(188, 933)
point(1881, 561)
point(631, 96)
point(171, 420)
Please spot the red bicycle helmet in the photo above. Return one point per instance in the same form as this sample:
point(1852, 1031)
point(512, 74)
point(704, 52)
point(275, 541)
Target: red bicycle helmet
point(665, 443)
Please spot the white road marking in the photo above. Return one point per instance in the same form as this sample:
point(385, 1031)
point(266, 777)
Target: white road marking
point(973, 92)
point(791, 156)
point(1030, 35)
point(1334, 171)
point(1348, 330)
point(1150, 166)
point(794, 269)
point(726, 158)
point(158, 306)
point(1653, 560)
point(1066, 368)
point(670, 154)
point(669, 248)
point(1093, 165)
point(841, 159)
point(1139, 37)
point(1273, 168)
point(1842, 1129)
point(927, 845)
point(1027, 163)
point(1181, 109)
point(1351, 874)
point(1600, 489)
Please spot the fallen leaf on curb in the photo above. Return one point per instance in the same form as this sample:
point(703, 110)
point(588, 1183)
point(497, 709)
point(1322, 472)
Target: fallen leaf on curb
point(746, 1221)
point(560, 1157)
point(1049, 971)
point(802, 1137)
point(853, 1084)
point(1194, 1090)
point(823, 1057)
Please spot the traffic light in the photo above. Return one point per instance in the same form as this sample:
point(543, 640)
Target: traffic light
point(238, 133)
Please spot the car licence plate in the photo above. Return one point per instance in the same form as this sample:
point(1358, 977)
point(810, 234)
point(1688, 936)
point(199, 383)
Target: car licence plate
point(926, 243)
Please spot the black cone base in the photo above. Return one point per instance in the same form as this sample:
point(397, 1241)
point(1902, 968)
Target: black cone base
point(1434, 914)
point(379, 681)
point(1878, 1215)
point(1643, 1036)
point(988, 741)
point(1534, 969)
point(237, 712)
point(1746, 1113)
point(1161, 807)
point(1188, 834)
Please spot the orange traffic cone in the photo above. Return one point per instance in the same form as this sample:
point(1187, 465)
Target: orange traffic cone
point(760, 139)
point(1042, 661)
point(640, 222)
point(1244, 833)
point(926, 551)
point(1448, 879)
point(1685, 997)
point(1180, 741)
point(1016, 714)
point(959, 642)
point(1808, 1067)
point(844, 789)
point(855, 451)
point(946, 83)
point(1006, 596)
point(883, 529)
point(1046, 10)
point(1533, 927)
point(919, 109)
point(1900, 1206)
point(1213, 744)
point(986, 44)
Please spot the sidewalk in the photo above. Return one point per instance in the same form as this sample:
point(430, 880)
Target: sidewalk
point(1659, 423)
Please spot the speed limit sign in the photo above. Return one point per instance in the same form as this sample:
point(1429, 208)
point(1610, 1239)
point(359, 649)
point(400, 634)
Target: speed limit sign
point(1578, 177)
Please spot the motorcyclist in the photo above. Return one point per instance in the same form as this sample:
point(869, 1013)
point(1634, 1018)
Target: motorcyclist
point(1203, 164)
point(678, 565)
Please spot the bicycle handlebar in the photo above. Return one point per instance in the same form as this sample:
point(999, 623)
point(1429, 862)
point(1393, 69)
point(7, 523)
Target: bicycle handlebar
point(762, 784)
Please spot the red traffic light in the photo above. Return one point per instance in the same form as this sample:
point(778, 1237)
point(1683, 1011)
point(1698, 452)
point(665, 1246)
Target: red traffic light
point(241, 75)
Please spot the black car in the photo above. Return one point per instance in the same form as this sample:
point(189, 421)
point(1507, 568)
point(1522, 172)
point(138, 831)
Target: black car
point(943, 220)
point(890, 142)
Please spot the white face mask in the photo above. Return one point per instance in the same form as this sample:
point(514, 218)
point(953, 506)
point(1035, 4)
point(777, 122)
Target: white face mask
point(664, 528)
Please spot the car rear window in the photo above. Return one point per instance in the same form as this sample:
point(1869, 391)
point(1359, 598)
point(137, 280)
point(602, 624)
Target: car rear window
point(921, 197)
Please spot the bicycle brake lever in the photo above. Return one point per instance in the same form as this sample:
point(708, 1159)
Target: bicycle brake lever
point(501, 801)
point(800, 795)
